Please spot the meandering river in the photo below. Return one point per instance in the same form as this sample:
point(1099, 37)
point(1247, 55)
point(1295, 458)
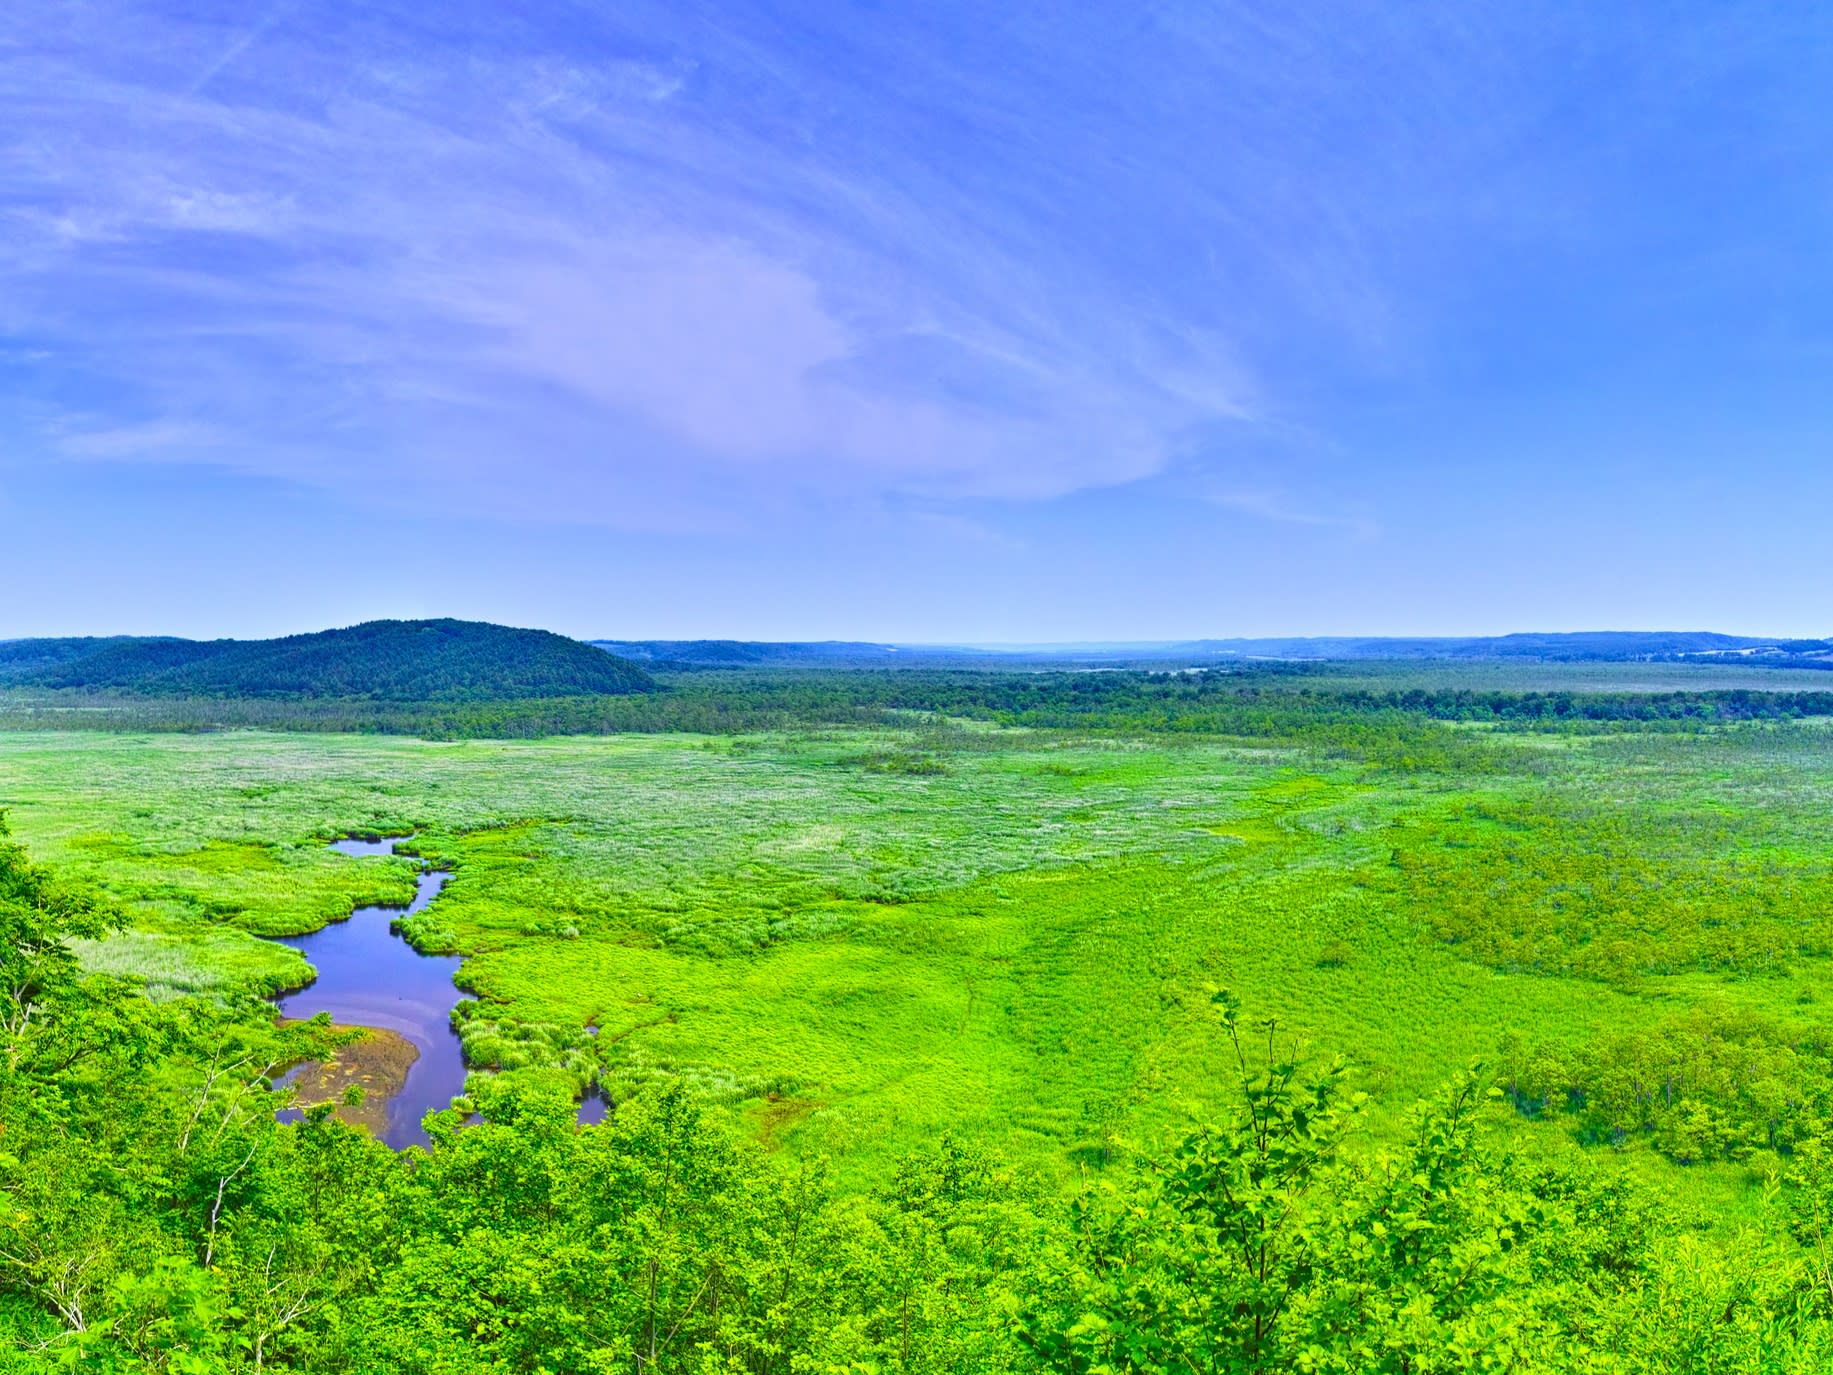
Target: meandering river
point(369, 976)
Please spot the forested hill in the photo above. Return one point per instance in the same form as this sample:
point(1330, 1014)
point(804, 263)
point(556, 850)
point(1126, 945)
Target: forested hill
point(419, 661)
point(21, 659)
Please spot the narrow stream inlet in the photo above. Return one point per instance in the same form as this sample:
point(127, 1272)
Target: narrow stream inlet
point(369, 976)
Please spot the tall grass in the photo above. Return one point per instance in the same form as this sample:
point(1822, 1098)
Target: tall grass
point(1016, 941)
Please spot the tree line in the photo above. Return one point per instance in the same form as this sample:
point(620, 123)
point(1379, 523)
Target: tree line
point(453, 698)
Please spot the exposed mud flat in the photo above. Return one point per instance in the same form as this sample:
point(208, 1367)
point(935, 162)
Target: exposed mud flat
point(378, 1062)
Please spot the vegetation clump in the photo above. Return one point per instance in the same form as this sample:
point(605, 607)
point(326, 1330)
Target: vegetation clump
point(1696, 1088)
point(1609, 892)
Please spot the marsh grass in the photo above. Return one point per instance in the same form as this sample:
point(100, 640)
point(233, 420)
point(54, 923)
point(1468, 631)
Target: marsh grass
point(1020, 945)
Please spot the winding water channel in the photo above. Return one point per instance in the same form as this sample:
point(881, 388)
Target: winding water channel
point(370, 976)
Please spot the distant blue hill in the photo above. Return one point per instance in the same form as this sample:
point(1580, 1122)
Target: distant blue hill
point(1548, 647)
point(1575, 646)
point(447, 660)
point(741, 653)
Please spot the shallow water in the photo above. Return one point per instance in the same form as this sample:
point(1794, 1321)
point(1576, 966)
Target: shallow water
point(356, 847)
point(369, 976)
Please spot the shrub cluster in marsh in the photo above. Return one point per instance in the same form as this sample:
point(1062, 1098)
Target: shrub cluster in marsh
point(1618, 890)
point(493, 1043)
point(1709, 1085)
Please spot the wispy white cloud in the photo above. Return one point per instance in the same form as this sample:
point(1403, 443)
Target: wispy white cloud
point(309, 247)
point(161, 439)
point(682, 257)
point(240, 44)
point(1283, 508)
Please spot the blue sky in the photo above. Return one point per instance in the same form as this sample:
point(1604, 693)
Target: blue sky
point(938, 322)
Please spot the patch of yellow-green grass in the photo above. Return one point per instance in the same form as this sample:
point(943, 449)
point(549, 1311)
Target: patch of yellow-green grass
point(188, 959)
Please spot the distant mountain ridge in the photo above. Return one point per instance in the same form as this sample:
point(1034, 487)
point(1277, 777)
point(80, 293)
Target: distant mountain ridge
point(728, 653)
point(450, 660)
point(1548, 646)
point(1568, 646)
point(418, 661)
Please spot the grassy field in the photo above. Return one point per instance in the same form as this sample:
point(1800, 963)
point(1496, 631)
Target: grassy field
point(859, 939)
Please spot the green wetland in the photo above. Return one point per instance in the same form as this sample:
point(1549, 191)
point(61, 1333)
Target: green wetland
point(951, 1022)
